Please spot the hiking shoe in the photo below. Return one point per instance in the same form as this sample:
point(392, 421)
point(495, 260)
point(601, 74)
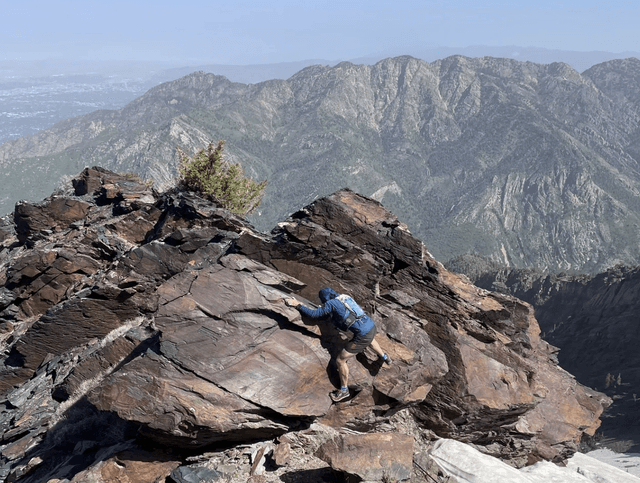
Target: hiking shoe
point(339, 395)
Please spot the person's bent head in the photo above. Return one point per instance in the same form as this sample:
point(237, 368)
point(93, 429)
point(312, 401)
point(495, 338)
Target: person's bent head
point(327, 294)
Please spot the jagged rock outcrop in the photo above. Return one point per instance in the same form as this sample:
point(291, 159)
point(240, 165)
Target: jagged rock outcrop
point(593, 319)
point(532, 165)
point(140, 326)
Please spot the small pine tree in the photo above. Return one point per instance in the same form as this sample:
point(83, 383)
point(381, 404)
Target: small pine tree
point(210, 174)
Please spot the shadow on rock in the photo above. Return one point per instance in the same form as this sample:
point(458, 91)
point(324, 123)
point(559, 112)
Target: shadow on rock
point(318, 475)
point(84, 437)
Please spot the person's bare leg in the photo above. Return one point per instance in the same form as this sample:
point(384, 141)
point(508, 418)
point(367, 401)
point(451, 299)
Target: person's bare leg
point(343, 368)
point(376, 348)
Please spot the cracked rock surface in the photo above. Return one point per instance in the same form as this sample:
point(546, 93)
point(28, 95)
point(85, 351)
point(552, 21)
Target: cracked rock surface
point(142, 332)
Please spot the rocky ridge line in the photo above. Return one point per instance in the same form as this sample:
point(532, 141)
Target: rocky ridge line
point(140, 326)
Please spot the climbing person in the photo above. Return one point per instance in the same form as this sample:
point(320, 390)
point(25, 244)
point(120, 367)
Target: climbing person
point(346, 315)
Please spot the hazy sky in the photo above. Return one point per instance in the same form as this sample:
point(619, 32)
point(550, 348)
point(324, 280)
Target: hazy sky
point(255, 32)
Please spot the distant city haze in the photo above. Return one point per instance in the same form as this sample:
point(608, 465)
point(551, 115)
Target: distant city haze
point(64, 58)
point(264, 32)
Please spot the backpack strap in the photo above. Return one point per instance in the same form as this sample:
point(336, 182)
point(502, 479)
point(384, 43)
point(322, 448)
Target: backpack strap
point(352, 316)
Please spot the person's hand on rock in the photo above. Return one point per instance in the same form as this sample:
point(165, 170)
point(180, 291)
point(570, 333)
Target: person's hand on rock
point(291, 302)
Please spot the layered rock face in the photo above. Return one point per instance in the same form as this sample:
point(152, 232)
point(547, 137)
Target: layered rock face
point(594, 321)
point(141, 327)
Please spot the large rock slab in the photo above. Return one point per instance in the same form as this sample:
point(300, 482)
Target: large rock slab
point(471, 361)
point(159, 319)
point(51, 334)
point(34, 222)
point(245, 339)
point(179, 408)
point(375, 457)
point(462, 463)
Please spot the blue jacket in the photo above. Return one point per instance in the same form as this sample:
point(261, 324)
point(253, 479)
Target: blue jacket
point(335, 309)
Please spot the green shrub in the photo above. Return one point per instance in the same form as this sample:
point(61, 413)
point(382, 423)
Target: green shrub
point(209, 174)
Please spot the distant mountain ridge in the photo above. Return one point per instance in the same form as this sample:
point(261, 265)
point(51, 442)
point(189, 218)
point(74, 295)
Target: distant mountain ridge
point(528, 164)
point(39, 93)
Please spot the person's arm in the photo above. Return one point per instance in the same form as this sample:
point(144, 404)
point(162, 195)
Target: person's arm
point(319, 313)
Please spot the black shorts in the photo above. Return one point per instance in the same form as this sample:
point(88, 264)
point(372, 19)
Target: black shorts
point(357, 346)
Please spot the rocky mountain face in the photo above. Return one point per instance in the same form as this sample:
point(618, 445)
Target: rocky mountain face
point(593, 319)
point(145, 338)
point(528, 164)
